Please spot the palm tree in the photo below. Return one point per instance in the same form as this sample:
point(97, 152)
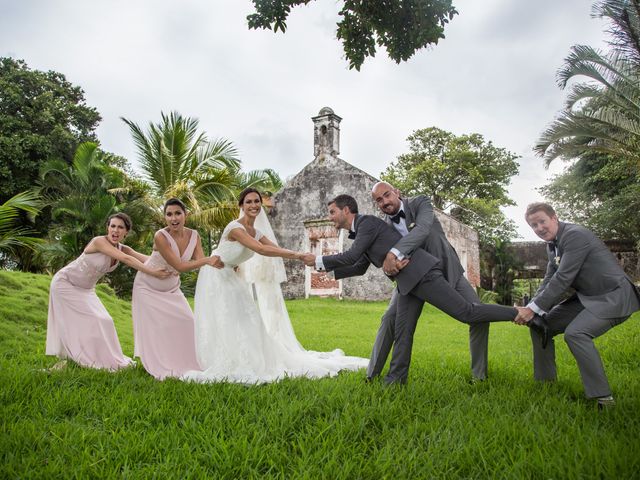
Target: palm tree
point(13, 236)
point(179, 162)
point(267, 181)
point(602, 115)
point(81, 197)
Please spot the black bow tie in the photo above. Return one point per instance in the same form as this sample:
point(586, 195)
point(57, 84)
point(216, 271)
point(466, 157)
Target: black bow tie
point(352, 235)
point(553, 246)
point(397, 216)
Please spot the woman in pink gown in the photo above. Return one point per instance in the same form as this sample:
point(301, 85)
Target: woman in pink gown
point(163, 324)
point(78, 326)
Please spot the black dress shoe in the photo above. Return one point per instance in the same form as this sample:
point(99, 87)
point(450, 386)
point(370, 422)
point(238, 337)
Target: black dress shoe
point(606, 403)
point(539, 325)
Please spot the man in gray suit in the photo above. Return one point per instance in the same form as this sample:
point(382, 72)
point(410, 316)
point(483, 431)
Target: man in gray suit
point(415, 220)
point(604, 297)
point(418, 279)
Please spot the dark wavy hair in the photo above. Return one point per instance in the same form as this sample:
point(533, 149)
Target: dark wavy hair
point(174, 201)
point(122, 216)
point(246, 192)
point(345, 200)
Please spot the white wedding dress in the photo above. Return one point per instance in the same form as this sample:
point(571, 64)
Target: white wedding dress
point(235, 343)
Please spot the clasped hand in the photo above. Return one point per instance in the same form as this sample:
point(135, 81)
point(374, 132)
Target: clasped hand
point(525, 314)
point(392, 265)
point(309, 259)
point(215, 261)
point(161, 273)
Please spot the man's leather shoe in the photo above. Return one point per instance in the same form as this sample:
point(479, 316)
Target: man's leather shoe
point(539, 325)
point(476, 380)
point(606, 403)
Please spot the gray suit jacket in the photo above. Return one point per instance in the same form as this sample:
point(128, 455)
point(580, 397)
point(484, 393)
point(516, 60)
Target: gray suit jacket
point(427, 233)
point(373, 240)
point(584, 263)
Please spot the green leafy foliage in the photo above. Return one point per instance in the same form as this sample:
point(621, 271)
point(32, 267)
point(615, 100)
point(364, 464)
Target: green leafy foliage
point(601, 113)
point(600, 192)
point(599, 130)
point(42, 116)
point(464, 174)
point(524, 289)
point(13, 236)
point(499, 267)
point(180, 162)
point(81, 197)
point(400, 26)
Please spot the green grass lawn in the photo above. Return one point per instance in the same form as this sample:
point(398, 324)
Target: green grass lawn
point(82, 423)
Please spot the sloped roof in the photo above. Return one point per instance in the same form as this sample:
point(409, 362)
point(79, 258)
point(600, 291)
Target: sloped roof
point(324, 162)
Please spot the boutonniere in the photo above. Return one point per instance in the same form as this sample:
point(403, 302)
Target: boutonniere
point(557, 260)
point(410, 227)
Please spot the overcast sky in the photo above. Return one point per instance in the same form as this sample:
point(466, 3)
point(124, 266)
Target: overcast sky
point(493, 74)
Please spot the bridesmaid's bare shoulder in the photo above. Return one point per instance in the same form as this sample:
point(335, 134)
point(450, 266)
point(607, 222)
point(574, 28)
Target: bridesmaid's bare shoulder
point(160, 238)
point(95, 243)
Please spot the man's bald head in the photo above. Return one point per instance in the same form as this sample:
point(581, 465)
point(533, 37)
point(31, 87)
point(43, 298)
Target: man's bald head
point(387, 197)
point(380, 185)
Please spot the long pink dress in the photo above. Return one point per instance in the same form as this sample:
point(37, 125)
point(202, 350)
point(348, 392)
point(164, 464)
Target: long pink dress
point(79, 327)
point(163, 324)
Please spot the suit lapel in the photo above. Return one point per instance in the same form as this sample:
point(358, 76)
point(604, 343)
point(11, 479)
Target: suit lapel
point(408, 212)
point(560, 246)
point(356, 223)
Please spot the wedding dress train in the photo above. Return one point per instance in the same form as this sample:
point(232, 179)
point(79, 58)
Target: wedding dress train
point(245, 340)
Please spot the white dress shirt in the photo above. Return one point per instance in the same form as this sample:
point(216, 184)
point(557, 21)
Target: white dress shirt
point(401, 227)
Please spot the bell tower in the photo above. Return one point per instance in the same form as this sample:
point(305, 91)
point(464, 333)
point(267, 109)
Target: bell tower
point(326, 133)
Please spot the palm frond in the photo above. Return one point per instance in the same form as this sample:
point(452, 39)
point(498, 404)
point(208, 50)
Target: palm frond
point(215, 217)
point(11, 240)
point(220, 154)
point(624, 30)
point(13, 236)
point(602, 112)
point(28, 201)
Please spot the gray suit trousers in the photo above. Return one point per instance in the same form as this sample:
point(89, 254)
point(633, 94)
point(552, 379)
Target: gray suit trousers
point(478, 333)
point(396, 330)
point(399, 322)
point(435, 290)
point(580, 327)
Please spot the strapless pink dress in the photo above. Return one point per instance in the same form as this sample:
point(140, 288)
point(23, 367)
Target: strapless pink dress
point(163, 324)
point(79, 327)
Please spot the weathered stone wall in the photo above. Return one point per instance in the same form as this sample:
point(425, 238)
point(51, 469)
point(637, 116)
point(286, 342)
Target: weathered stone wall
point(627, 256)
point(305, 198)
point(465, 241)
point(533, 256)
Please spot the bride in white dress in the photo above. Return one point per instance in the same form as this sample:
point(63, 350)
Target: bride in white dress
point(234, 342)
